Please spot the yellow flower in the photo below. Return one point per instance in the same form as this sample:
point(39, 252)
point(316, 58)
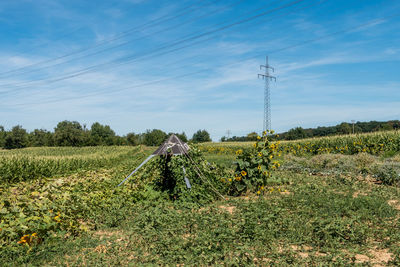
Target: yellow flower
point(259, 167)
point(26, 239)
point(230, 180)
point(258, 137)
point(265, 132)
point(258, 192)
point(239, 152)
point(260, 154)
point(34, 234)
point(243, 173)
point(255, 145)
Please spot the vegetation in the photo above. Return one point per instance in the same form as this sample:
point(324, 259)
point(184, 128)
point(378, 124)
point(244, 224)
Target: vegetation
point(17, 138)
point(201, 136)
point(372, 143)
point(316, 209)
point(253, 166)
point(72, 133)
point(29, 163)
point(340, 129)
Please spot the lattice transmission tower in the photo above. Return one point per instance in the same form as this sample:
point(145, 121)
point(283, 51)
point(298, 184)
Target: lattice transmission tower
point(267, 95)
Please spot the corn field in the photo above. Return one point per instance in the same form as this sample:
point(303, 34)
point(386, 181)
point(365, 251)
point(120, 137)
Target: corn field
point(372, 143)
point(31, 163)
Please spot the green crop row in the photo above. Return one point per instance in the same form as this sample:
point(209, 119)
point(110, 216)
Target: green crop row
point(372, 143)
point(28, 164)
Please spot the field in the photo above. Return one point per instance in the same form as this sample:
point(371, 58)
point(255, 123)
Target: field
point(326, 205)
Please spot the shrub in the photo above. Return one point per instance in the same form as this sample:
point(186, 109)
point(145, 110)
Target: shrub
point(387, 174)
point(254, 166)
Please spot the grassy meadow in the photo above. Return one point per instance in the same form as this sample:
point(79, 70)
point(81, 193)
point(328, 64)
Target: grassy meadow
point(326, 205)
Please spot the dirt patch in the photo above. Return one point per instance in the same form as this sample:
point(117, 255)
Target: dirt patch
point(307, 248)
point(245, 198)
point(320, 254)
point(378, 256)
point(361, 258)
point(105, 233)
point(285, 192)
point(303, 255)
point(394, 203)
point(100, 249)
point(381, 255)
point(230, 209)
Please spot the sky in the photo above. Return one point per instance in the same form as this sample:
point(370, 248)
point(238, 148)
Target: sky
point(189, 65)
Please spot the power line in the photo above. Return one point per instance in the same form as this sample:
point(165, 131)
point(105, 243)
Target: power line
point(118, 36)
point(107, 92)
point(192, 19)
point(125, 60)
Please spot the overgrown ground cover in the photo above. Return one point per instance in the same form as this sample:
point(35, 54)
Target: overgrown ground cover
point(317, 210)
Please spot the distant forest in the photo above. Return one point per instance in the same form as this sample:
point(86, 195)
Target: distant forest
point(72, 133)
point(343, 128)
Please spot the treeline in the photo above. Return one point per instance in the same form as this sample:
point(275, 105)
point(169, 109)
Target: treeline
point(343, 128)
point(72, 133)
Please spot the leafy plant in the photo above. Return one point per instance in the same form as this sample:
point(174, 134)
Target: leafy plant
point(254, 166)
point(204, 178)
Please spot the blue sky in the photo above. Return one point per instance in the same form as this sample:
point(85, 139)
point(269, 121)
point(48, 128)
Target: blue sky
point(189, 65)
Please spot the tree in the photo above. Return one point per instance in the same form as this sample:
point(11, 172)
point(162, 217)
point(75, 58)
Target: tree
point(101, 135)
point(345, 128)
point(296, 133)
point(120, 141)
point(69, 133)
point(41, 137)
point(132, 139)
point(2, 136)
point(201, 136)
point(252, 136)
point(16, 138)
point(154, 138)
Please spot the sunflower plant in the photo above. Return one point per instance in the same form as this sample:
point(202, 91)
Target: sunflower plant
point(254, 166)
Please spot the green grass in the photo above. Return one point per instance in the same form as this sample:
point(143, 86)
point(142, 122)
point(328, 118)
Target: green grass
point(305, 218)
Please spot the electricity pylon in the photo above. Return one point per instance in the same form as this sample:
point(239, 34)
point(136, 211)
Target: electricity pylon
point(267, 98)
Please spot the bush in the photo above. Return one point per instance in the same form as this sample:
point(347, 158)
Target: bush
point(254, 166)
point(387, 174)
